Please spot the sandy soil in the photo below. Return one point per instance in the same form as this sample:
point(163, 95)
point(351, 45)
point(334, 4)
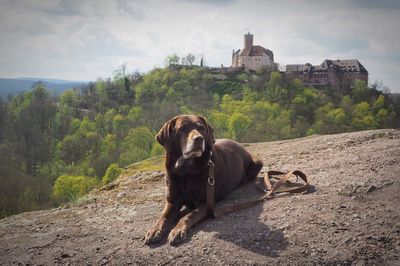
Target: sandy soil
point(352, 218)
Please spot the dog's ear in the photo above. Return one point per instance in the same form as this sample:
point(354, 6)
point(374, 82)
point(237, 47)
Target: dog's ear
point(164, 135)
point(210, 139)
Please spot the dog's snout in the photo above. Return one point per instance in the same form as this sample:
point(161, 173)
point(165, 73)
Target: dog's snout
point(198, 138)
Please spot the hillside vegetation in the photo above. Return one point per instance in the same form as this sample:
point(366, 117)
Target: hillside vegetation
point(12, 87)
point(56, 149)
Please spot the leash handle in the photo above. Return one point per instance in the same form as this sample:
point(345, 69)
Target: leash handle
point(284, 180)
point(265, 186)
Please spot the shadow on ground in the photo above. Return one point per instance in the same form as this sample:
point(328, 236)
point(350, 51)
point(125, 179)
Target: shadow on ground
point(245, 230)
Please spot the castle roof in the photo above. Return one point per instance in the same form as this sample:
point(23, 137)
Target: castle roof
point(351, 65)
point(299, 68)
point(257, 50)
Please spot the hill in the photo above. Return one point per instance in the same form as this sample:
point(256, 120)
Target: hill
point(85, 136)
point(18, 85)
point(352, 217)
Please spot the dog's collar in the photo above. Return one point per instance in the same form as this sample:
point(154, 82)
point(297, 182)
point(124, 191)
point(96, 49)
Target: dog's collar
point(211, 166)
point(209, 159)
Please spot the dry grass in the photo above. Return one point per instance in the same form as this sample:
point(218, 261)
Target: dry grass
point(149, 165)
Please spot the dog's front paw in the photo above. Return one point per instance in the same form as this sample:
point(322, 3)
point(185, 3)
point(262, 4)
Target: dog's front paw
point(152, 236)
point(177, 235)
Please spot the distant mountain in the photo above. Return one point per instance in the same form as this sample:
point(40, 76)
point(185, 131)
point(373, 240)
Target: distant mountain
point(18, 85)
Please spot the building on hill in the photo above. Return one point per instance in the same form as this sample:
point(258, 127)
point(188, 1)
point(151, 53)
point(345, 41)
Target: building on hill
point(335, 73)
point(252, 56)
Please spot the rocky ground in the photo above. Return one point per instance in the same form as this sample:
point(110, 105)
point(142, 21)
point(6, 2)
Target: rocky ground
point(351, 218)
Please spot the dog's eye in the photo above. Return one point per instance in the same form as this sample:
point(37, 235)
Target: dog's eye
point(201, 127)
point(183, 127)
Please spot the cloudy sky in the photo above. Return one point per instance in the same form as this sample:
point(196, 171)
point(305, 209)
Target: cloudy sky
point(84, 40)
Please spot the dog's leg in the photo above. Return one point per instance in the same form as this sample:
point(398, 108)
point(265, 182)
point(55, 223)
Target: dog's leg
point(253, 169)
point(179, 232)
point(169, 214)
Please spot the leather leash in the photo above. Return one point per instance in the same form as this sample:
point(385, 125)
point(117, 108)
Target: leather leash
point(264, 185)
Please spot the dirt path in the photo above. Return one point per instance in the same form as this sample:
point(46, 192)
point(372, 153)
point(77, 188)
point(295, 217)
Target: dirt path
point(352, 218)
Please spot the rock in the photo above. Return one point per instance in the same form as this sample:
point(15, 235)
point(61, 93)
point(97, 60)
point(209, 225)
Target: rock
point(104, 261)
point(121, 194)
point(371, 188)
point(314, 254)
point(65, 255)
point(317, 228)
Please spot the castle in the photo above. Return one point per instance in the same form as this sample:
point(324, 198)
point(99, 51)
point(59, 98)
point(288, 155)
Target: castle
point(252, 56)
point(335, 73)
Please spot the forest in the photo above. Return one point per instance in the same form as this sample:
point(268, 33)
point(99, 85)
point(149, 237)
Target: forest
point(54, 149)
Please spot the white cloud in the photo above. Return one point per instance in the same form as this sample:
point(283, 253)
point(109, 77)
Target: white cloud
point(85, 40)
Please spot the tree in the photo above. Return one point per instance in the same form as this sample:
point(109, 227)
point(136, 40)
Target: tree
point(120, 126)
point(3, 116)
point(360, 92)
point(304, 103)
point(363, 118)
point(379, 104)
point(70, 188)
point(172, 60)
point(112, 172)
point(220, 123)
point(275, 91)
point(137, 145)
point(239, 125)
point(73, 148)
point(32, 121)
point(190, 58)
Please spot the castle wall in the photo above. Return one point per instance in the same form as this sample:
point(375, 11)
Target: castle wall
point(235, 60)
point(335, 79)
point(255, 62)
point(349, 78)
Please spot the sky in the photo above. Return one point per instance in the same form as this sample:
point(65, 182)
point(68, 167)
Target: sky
point(86, 40)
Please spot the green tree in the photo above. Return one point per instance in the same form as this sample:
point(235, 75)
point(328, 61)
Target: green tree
point(70, 188)
point(120, 126)
point(363, 118)
point(73, 148)
point(137, 145)
point(275, 89)
point(112, 172)
point(239, 125)
point(32, 121)
point(3, 121)
point(360, 92)
point(172, 59)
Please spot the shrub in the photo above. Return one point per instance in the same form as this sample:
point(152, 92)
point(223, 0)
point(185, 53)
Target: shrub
point(113, 171)
point(69, 188)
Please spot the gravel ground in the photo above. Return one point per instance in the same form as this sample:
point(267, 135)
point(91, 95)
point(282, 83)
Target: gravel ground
point(350, 219)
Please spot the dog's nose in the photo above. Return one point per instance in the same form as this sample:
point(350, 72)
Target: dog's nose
point(198, 139)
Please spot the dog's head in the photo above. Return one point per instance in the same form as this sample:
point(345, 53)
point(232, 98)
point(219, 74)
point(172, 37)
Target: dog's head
point(186, 135)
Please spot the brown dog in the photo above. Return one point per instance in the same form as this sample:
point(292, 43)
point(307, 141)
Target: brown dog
point(189, 144)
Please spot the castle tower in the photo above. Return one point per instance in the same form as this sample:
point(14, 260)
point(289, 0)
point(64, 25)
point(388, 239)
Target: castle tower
point(248, 41)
